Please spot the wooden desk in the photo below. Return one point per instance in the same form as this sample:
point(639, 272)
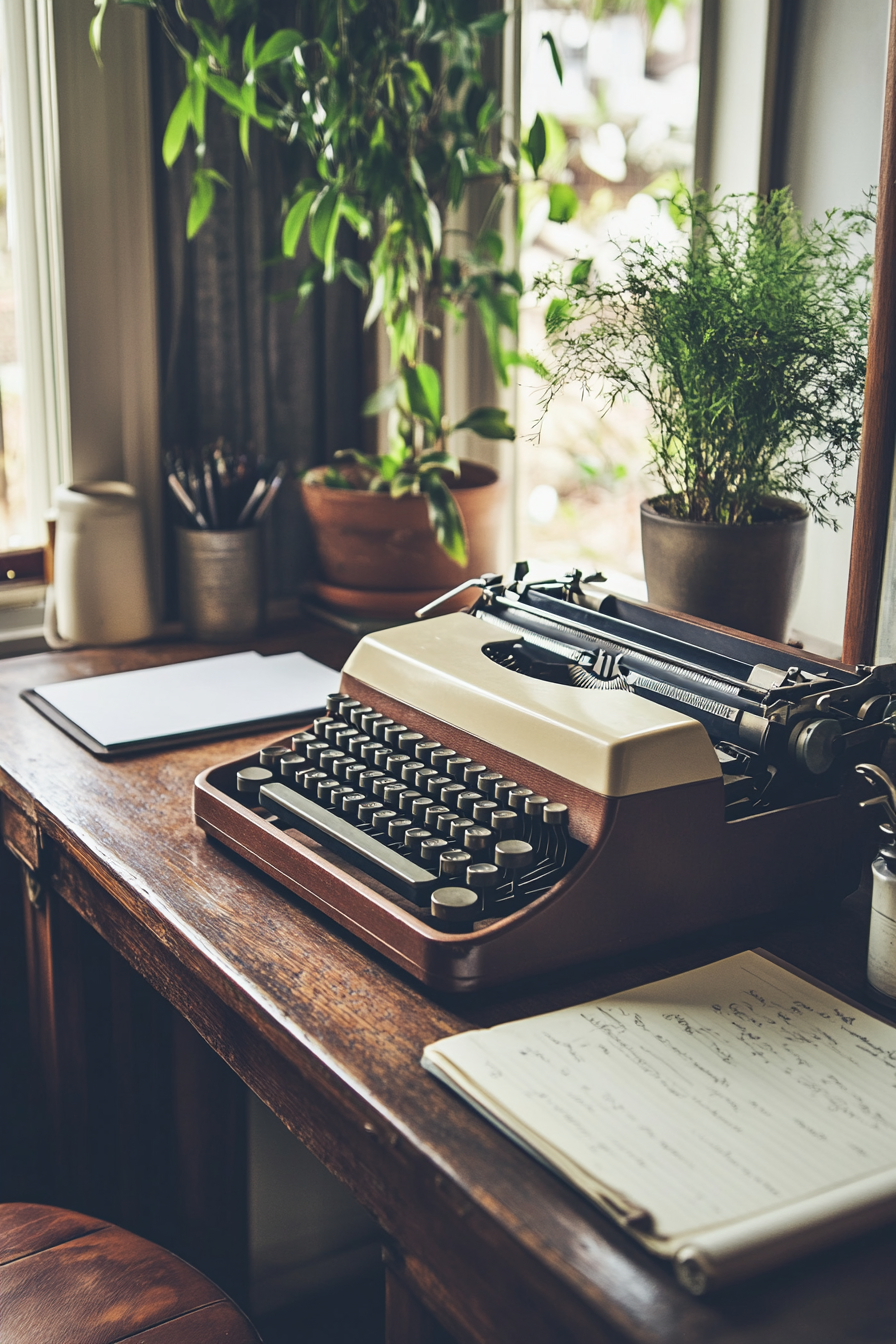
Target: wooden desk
point(330, 1038)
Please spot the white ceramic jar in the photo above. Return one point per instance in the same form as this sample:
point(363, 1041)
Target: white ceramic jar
point(100, 576)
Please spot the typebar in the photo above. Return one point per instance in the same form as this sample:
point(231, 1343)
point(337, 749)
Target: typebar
point(407, 878)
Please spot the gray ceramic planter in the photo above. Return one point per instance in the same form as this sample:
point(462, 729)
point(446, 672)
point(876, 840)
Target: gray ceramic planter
point(744, 577)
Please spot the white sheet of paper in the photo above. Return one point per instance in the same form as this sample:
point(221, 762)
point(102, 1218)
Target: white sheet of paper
point(183, 698)
point(717, 1095)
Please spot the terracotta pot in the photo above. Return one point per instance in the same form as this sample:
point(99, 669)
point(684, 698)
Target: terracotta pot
point(372, 543)
point(747, 577)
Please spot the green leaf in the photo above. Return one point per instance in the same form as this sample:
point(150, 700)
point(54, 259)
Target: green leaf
point(202, 198)
point(321, 216)
point(489, 24)
point(438, 458)
point(383, 399)
point(527, 361)
point(555, 55)
point(96, 28)
point(245, 123)
point(279, 47)
point(581, 271)
point(329, 257)
point(444, 517)
point(489, 422)
point(418, 175)
point(295, 223)
point(198, 108)
point(424, 393)
point(564, 203)
point(249, 49)
point(228, 92)
point(558, 315)
point(536, 143)
point(354, 272)
point(421, 76)
point(377, 300)
point(218, 47)
point(176, 130)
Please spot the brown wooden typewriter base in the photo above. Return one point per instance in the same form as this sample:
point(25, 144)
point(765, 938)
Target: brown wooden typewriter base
point(658, 866)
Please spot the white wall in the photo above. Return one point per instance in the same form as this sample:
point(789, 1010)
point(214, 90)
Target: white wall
point(833, 157)
point(739, 90)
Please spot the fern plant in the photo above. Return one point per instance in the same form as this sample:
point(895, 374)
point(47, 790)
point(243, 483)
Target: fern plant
point(747, 342)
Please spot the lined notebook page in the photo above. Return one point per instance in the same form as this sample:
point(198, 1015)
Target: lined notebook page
point(694, 1101)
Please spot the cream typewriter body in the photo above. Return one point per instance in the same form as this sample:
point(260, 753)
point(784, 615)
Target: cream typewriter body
point(555, 776)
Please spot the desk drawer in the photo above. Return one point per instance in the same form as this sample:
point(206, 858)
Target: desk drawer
point(20, 835)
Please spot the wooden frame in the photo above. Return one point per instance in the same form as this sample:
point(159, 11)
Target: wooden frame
point(869, 537)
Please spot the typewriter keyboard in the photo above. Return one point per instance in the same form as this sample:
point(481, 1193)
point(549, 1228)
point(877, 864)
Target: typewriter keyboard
point(449, 834)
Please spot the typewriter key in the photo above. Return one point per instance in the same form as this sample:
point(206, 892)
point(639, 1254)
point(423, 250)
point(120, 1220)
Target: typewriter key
point(347, 708)
point(333, 727)
point(431, 849)
point(556, 814)
point(459, 826)
point(436, 784)
point(369, 750)
point(314, 749)
point(409, 770)
point(366, 811)
point(392, 792)
point(422, 775)
point(379, 728)
point(337, 795)
point(325, 787)
point(345, 737)
point(326, 758)
point(357, 714)
point(300, 739)
point(394, 732)
point(477, 839)
point(357, 745)
point(408, 798)
point(397, 828)
point(408, 742)
point(482, 876)
point(319, 726)
point(517, 798)
point(445, 822)
point(534, 805)
point(381, 757)
point(472, 773)
point(424, 750)
point(482, 812)
point(365, 780)
point(450, 791)
point(310, 780)
point(487, 783)
point(269, 756)
point(457, 765)
point(380, 784)
point(432, 815)
point(419, 807)
point(454, 862)
point(414, 837)
point(289, 763)
point(457, 906)
point(345, 763)
point(353, 771)
point(251, 779)
point(379, 821)
point(396, 763)
point(350, 802)
point(366, 718)
point(466, 801)
point(503, 790)
point(513, 855)
point(439, 759)
point(504, 822)
point(334, 700)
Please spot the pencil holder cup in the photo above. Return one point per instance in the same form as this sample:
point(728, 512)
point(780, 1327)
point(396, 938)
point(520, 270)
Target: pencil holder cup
point(220, 582)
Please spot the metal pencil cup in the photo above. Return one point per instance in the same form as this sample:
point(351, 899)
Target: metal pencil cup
point(221, 591)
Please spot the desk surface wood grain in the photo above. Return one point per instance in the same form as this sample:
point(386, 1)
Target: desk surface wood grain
point(330, 1037)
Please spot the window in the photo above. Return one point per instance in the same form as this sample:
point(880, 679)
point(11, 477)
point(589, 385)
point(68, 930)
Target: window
point(34, 448)
point(620, 135)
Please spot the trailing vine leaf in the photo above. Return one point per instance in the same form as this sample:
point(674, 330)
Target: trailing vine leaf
point(555, 55)
point(564, 202)
point(536, 143)
point(489, 422)
point(202, 198)
point(444, 517)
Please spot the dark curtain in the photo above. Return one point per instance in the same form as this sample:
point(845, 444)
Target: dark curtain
point(235, 360)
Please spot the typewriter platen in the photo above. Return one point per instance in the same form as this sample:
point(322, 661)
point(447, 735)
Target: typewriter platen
point(558, 775)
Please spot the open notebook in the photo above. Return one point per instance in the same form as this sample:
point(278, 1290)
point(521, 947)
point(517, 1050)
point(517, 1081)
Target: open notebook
point(175, 703)
point(731, 1118)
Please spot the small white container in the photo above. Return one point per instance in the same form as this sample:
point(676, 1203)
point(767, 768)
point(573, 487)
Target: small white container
point(882, 934)
point(100, 575)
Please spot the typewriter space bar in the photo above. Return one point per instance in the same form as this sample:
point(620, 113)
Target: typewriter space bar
point(406, 877)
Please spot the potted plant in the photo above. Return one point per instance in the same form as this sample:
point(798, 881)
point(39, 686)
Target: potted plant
point(748, 342)
point(396, 118)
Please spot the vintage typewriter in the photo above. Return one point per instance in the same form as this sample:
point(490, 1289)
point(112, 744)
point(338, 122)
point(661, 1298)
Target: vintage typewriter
point(555, 775)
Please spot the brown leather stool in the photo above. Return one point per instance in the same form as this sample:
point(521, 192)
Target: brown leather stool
point(69, 1279)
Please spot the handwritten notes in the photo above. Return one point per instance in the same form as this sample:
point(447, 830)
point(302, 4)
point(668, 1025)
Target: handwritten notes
point(696, 1101)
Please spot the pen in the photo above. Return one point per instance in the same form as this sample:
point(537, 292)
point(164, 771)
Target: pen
point(246, 511)
point(210, 492)
point(184, 499)
point(271, 491)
